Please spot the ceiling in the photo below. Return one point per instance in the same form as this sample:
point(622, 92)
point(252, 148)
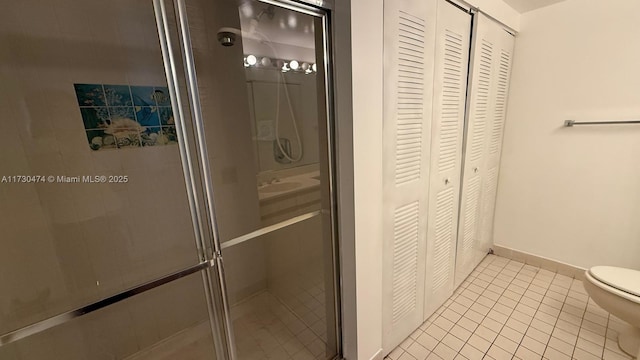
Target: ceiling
point(523, 6)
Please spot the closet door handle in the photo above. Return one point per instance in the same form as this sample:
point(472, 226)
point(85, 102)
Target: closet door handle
point(475, 169)
point(447, 181)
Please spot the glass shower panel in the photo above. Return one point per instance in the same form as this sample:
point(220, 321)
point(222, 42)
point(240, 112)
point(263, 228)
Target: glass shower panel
point(93, 199)
point(261, 81)
point(146, 327)
point(292, 315)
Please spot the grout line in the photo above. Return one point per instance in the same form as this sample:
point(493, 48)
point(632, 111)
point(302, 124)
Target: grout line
point(462, 315)
point(575, 346)
point(509, 316)
point(557, 318)
point(555, 283)
point(606, 332)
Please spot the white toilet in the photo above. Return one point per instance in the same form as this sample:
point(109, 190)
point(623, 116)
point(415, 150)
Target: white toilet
point(617, 290)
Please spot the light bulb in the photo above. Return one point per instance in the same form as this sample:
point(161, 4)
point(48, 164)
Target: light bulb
point(246, 10)
point(314, 67)
point(252, 60)
point(294, 65)
point(265, 61)
point(292, 21)
point(305, 66)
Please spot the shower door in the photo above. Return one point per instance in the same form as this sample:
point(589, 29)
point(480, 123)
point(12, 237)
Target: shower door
point(104, 248)
point(259, 83)
point(166, 181)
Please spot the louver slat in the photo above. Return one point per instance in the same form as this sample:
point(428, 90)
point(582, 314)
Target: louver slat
point(405, 260)
point(410, 99)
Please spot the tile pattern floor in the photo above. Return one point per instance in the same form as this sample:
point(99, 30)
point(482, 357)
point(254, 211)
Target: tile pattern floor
point(305, 295)
point(508, 310)
point(263, 327)
point(194, 343)
point(266, 329)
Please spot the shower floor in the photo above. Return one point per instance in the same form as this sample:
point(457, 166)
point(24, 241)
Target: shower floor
point(190, 344)
point(266, 329)
point(263, 327)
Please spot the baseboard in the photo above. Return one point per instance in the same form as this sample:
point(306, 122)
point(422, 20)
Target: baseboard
point(377, 356)
point(540, 261)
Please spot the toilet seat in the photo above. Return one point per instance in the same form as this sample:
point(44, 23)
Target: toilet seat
point(625, 282)
point(616, 291)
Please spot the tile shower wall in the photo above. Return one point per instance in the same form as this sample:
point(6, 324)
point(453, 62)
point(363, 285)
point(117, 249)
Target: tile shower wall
point(128, 327)
point(64, 245)
point(228, 136)
point(296, 272)
point(123, 116)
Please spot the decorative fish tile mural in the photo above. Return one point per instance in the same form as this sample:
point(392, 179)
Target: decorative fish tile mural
point(123, 116)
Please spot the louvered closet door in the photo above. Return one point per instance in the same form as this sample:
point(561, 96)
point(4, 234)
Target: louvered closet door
point(480, 100)
point(453, 29)
point(489, 79)
point(408, 77)
point(503, 43)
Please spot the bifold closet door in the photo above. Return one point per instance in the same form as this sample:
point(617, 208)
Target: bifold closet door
point(409, 38)
point(453, 29)
point(489, 79)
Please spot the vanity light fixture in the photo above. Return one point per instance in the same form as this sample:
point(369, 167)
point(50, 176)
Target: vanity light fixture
point(267, 63)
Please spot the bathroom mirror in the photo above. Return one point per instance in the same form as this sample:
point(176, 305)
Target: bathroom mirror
point(280, 69)
point(283, 109)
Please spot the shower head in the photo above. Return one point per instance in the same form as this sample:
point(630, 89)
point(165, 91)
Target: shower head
point(226, 38)
point(227, 35)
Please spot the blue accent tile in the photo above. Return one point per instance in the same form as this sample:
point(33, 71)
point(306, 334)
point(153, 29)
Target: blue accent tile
point(170, 133)
point(166, 115)
point(118, 95)
point(95, 117)
point(121, 112)
point(147, 115)
point(95, 139)
point(143, 95)
point(89, 94)
point(99, 140)
point(161, 95)
point(152, 136)
point(128, 140)
point(122, 116)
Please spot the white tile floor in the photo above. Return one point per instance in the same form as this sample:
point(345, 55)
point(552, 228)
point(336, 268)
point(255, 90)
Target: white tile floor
point(304, 295)
point(265, 329)
point(508, 310)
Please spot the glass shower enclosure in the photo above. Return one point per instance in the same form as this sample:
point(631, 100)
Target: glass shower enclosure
point(167, 186)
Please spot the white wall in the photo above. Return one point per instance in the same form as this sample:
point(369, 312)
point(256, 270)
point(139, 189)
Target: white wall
point(366, 24)
point(573, 194)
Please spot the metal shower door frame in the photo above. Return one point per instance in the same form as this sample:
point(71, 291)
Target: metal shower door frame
point(199, 169)
point(180, 74)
